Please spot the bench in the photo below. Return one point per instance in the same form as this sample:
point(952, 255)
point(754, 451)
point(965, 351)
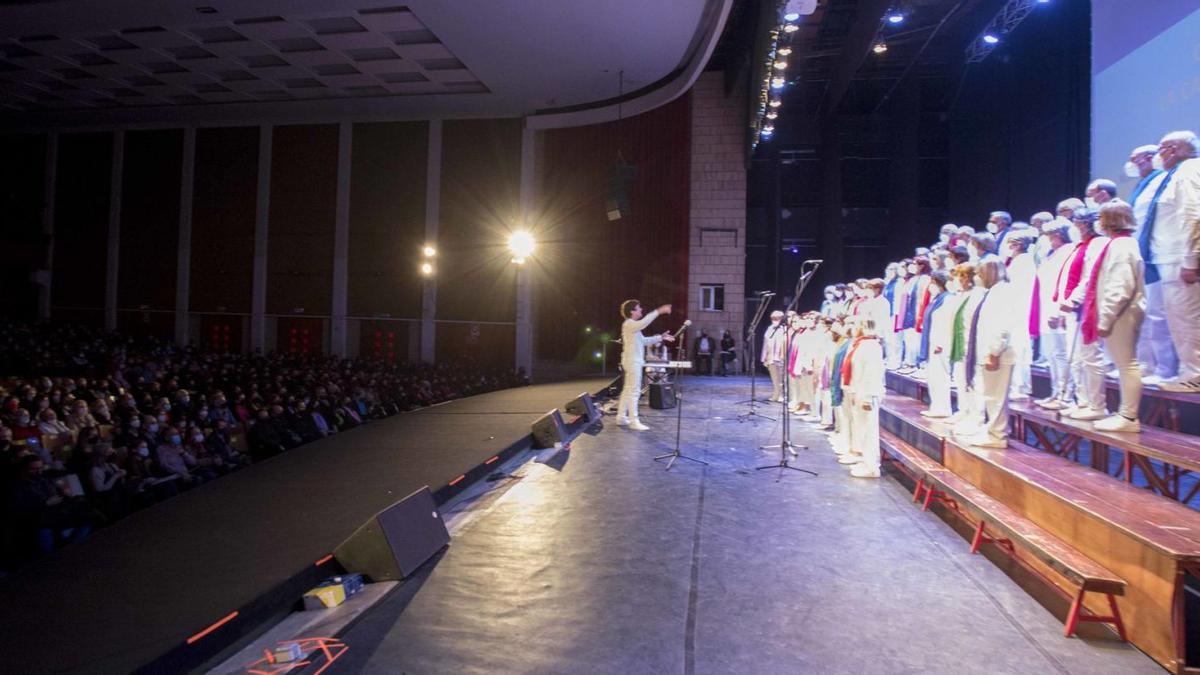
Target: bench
point(908, 460)
point(998, 524)
point(1160, 407)
point(1179, 453)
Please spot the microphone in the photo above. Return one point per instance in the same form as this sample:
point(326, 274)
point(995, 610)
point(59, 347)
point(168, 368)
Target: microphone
point(814, 262)
point(682, 328)
point(766, 293)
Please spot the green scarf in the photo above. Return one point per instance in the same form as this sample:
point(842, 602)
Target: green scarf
point(958, 348)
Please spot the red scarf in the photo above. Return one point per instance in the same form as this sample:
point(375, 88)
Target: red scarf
point(846, 367)
point(1075, 273)
point(921, 305)
point(1090, 328)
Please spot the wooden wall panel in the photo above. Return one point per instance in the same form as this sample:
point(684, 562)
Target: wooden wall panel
point(300, 243)
point(149, 219)
point(21, 199)
point(481, 175)
point(223, 212)
point(81, 223)
point(387, 218)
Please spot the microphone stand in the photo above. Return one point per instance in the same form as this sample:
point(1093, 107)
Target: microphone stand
point(680, 355)
point(751, 335)
point(786, 446)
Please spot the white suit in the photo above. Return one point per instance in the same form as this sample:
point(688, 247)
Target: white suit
point(993, 339)
point(970, 412)
point(1178, 214)
point(1021, 273)
point(633, 361)
point(1155, 351)
point(773, 355)
point(1120, 304)
point(866, 387)
point(1054, 340)
point(941, 338)
point(1085, 396)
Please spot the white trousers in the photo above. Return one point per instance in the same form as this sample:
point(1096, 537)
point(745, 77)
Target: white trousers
point(866, 432)
point(826, 408)
point(776, 371)
point(1075, 364)
point(967, 399)
point(912, 345)
point(1122, 349)
point(839, 439)
point(627, 409)
point(937, 377)
point(1022, 378)
point(992, 386)
point(1054, 350)
point(1155, 350)
point(853, 434)
point(1093, 365)
point(1181, 303)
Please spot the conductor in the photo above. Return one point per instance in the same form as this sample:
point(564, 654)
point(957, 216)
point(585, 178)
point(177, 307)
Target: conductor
point(633, 358)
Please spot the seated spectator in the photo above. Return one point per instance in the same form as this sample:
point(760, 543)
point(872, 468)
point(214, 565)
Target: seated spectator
point(79, 417)
point(265, 439)
point(107, 482)
point(218, 443)
point(45, 515)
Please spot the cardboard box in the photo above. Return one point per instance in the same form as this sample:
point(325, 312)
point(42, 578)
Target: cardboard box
point(323, 597)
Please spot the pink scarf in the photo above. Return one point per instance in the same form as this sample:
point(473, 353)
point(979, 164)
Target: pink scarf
point(1090, 328)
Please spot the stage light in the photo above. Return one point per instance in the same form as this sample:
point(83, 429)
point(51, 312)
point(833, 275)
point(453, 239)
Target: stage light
point(895, 17)
point(777, 82)
point(880, 47)
point(784, 51)
point(596, 355)
point(587, 329)
point(775, 103)
point(769, 129)
point(795, 250)
point(429, 251)
point(521, 244)
point(781, 65)
point(990, 38)
point(791, 28)
point(1043, 2)
point(772, 115)
point(426, 269)
point(791, 16)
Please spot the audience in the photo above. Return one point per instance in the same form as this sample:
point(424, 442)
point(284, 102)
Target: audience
point(130, 422)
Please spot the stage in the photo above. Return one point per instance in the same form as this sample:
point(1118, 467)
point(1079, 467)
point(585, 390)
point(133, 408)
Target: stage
point(600, 561)
point(171, 586)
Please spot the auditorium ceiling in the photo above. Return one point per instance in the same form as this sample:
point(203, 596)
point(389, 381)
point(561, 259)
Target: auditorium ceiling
point(494, 58)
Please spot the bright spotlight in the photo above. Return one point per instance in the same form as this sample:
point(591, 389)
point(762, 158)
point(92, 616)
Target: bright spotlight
point(990, 38)
point(791, 16)
point(521, 244)
point(429, 251)
point(895, 18)
point(791, 28)
point(880, 47)
point(777, 82)
point(781, 65)
point(426, 269)
point(587, 329)
point(784, 51)
point(772, 115)
point(595, 355)
point(775, 103)
point(769, 129)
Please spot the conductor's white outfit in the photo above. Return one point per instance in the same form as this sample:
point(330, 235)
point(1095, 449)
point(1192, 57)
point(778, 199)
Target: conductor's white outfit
point(633, 361)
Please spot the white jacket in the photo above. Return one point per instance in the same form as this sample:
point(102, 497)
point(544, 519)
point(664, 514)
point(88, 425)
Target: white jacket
point(866, 370)
point(1089, 262)
point(1021, 273)
point(1177, 212)
point(633, 343)
point(774, 346)
point(997, 325)
point(877, 310)
point(1048, 277)
point(1121, 284)
point(941, 332)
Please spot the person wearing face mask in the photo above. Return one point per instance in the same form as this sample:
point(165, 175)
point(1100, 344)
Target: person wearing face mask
point(917, 298)
point(982, 245)
point(773, 347)
point(941, 338)
point(937, 296)
point(876, 308)
point(1169, 240)
point(1038, 222)
point(107, 479)
point(1066, 209)
point(1155, 351)
point(904, 288)
point(824, 362)
point(839, 436)
point(999, 225)
point(1088, 406)
point(990, 357)
point(172, 460)
point(1098, 192)
point(1051, 321)
point(891, 287)
point(800, 365)
point(827, 304)
point(968, 413)
point(1113, 310)
point(863, 380)
point(946, 234)
point(1022, 274)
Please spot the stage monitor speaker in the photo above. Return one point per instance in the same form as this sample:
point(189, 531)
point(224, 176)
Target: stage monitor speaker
point(397, 540)
point(662, 395)
point(549, 429)
point(584, 406)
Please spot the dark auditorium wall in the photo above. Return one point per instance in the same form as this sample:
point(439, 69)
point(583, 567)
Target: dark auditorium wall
point(300, 239)
point(224, 204)
point(585, 260)
point(21, 237)
point(81, 226)
point(150, 188)
point(1020, 125)
point(387, 219)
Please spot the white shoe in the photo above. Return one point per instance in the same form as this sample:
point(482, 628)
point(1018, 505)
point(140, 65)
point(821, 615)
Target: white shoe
point(919, 375)
point(1152, 380)
point(1056, 404)
point(861, 470)
point(986, 441)
point(622, 421)
point(638, 426)
point(1019, 397)
point(1118, 423)
point(934, 415)
point(849, 459)
point(1176, 385)
point(1088, 414)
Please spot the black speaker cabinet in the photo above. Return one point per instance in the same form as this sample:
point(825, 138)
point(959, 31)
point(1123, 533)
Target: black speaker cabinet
point(584, 406)
point(397, 540)
point(662, 395)
point(549, 429)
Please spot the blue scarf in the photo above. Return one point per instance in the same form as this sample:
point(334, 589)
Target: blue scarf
point(889, 292)
point(1137, 191)
point(927, 326)
point(972, 343)
point(1152, 275)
